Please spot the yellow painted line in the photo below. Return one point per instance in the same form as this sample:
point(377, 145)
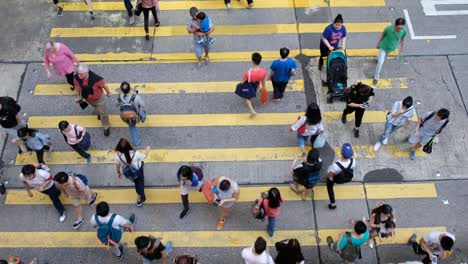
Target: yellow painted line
point(165, 88)
point(210, 5)
point(367, 151)
point(401, 83)
point(199, 239)
point(171, 31)
point(172, 195)
point(264, 119)
point(148, 58)
point(393, 191)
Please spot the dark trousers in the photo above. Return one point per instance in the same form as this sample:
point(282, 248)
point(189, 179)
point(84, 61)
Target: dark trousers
point(82, 146)
point(278, 89)
point(418, 250)
point(54, 193)
point(324, 50)
point(55, 2)
point(129, 7)
point(229, 1)
point(70, 79)
point(359, 113)
point(40, 154)
point(331, 192)
point(140, 183)
point(146, 16)
point(185, 201)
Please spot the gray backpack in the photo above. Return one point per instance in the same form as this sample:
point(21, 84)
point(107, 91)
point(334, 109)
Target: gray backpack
point(350, 252)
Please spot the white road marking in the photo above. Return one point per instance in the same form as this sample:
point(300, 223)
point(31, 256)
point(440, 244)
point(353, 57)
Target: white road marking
point(413, 35)
point(430, 9)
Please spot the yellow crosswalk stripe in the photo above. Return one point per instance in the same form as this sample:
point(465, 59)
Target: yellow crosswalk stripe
point(367, 151)
point(202, 155)
point(248, 194)
point(401, 83)
point(148, 58)
point(199, 239)
point(167, 88)
point(210, 5)
point(265, 119)
point(171, 31)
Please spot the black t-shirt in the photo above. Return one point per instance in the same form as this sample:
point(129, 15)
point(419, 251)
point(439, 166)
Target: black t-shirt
point(155, 249)
point(8, 112)
point(307, 175)
point(355, 97)
point(286, 255)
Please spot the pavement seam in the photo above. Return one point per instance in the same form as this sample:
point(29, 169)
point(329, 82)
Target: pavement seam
point(369, 212)
point(456, 83)
point(316, 230)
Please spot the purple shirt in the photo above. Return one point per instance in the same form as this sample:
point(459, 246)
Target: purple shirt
point(334, 36)
point(62, 60)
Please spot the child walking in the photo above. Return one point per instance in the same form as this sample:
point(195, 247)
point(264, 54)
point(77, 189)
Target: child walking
point(36, 141)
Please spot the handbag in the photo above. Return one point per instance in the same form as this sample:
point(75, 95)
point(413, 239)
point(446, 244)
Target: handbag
point(259, 211)
point(320, 140)
point(83, 104)
point(138, 8)
point(428, 147)
point(264, 96)
point(247, 90)
point(129, 171)
point(302, 128)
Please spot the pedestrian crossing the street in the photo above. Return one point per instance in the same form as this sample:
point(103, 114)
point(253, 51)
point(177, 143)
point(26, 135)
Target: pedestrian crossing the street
point(191, 102)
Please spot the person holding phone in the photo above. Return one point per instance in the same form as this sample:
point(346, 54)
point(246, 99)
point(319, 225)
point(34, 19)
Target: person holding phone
point(358, 99)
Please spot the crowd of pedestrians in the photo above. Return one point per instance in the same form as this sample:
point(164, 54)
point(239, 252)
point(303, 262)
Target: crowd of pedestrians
point(223, 192)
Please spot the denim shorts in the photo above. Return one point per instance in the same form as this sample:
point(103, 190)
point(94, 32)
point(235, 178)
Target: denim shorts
point(422, 139)
point(200, 48)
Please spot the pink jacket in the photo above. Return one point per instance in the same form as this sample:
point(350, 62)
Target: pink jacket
point(62, 60)
point(271, 212)
point(149, 3)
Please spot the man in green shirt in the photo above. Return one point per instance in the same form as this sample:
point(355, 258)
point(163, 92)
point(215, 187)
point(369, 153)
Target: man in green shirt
point(388, 42)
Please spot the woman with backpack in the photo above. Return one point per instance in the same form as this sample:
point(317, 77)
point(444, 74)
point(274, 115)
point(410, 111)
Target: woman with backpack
point(190, 178)
point(36, 141)
point(308, 125)
point(306, 173)
point(129, 163)
point(359, 96)
point(132, 110)
point(77, 137)
point(271, 204)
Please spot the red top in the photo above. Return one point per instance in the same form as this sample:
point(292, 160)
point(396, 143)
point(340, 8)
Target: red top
point(97, 89)
point(271, 212)
point(256, 75)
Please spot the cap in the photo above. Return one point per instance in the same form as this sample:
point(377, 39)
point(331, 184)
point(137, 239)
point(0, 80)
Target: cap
point(347, 150)
point(193, 11)
point(313, 155)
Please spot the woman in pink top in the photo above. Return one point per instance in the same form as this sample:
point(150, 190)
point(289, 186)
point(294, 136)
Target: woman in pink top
point(271, 204)
point(62, 59)
point(257, 74)
point(146, 6)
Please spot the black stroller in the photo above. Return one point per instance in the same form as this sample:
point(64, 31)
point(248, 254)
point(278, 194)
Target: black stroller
point(337, 75)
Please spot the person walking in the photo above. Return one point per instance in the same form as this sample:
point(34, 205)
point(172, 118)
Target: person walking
point(134, 108)
point(388, 42)
point(402, 112)
point(89, 89)
point(358, 100)
point(192, 28)
point(271, 205)
point(129, 162)
point(41, 180)
point(258, 254)
point(117, 224)
point(226, 192)
point(306, 173)
point(349, 244)
point(434, 245)
point(146, 7)
point(58, 7)
point(256, 76)
point(308, 125)
point(430, 124)
point(331, 37)
point(90, 8)
point(10, 120)
point(190, 178)
point(150, 248)
point(62, 60)
point(131, 14)
point(77, 137)
point(36, 141)
point(382, 222)
point(281, 71)
point(340, 171)
point(289, 252)
point(75, 187)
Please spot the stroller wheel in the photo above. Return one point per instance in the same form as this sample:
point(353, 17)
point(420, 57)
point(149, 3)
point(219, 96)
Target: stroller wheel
point(324, 83)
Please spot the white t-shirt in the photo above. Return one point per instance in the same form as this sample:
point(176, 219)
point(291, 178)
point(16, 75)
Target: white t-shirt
point(309, 129)
point(336, 169)
point(250, 258)
point(401, 119)
point(136, 161)
point(119, 221)
point(433, 240)
point(41, 177)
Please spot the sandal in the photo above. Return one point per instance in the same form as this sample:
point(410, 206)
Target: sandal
point(304, 195)
point(220, 224)
point(329, 241)
point(332, 206)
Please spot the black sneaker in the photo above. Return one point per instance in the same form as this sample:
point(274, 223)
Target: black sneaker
point(93, 200)
point(60, 11)
point(107, 132)
point(140, 202)
point(98, 117)
point(132, 218)
point(343, 119)
point(121, 247)
point(184, 212)
point(78, 223)
point(356, 133)
point(320, 67)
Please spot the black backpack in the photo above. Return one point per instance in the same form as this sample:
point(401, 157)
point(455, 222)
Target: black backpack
point(9, 104)
point(350, 252)
point(345, 175)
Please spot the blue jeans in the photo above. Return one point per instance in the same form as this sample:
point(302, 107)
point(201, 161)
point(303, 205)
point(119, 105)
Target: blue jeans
point(301, 140)
point(389, 129)
point(129, 7)
point(271, 225)
point(134, 133)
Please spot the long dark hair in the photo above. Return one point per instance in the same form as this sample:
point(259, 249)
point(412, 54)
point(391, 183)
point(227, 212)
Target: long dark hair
point(313, 114)
point(274, 198)
point(383, 209)
point(295, 249)
point(125, 147)
point(25, 131)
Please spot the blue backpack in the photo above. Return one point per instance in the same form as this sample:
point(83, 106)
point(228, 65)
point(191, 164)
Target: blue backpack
point(82, 178)
point(129, 171)
point(106, 234)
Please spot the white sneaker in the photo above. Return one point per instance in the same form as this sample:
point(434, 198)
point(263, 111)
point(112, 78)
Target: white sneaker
point(62, 217)
point(377, 146)
point(385, 141)
point(131, 20)
point(228, 6)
